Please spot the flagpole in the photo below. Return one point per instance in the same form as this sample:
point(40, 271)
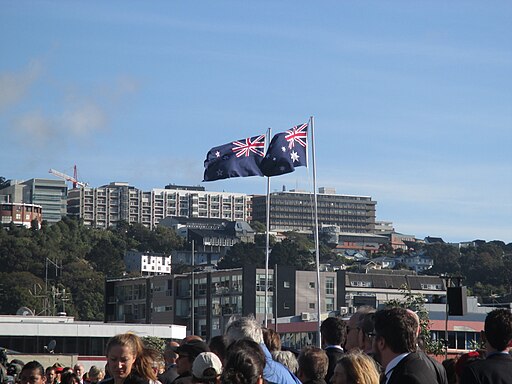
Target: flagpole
point(317, 248)
point(267, 237)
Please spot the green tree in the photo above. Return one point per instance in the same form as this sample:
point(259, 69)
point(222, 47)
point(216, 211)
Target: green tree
point(4, 182)
point(446, 258)
point(242, 254)
point(289, 253)
point(416, 303)
point(18, 289)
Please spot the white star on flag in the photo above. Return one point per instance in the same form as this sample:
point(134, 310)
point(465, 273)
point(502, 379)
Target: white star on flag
point(283, 149)
point(294, 156)
point(217, 154)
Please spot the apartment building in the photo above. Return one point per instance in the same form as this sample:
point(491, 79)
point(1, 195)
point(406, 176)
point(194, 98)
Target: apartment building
point(106, 206)
point(293, 211)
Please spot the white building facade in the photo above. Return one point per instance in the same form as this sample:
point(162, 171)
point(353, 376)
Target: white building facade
point(108, 205)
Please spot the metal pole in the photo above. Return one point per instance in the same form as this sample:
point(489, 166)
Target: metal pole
point(317, 247)
point(447, 311)
point(192, 328)
point(267, 239)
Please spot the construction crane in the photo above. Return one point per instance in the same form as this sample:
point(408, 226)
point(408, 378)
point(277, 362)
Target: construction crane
point(73, 179)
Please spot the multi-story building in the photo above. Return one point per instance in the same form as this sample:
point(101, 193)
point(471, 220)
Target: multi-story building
point(219, 294)
point(106, 206)
point(21, 214)
point(51, 195)
point(293, 211)
point(147, 263)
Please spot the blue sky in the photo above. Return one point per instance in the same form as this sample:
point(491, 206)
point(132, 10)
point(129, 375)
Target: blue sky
point(412, 99)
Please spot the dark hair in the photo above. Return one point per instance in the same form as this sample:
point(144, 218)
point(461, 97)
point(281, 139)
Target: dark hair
point(33, 365)
point(218, 345)
point(313, 363)
point(69, 378)
point(449, 367)
point(498, 328)
point(271, 339)
point(333, 330)
point(245, 361)
point(398, 328)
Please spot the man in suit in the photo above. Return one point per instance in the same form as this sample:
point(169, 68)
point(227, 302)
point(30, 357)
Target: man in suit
point(333, 330)
point(394, 346)
point(497, 367)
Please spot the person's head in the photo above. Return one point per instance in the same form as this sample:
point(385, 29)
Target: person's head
point(333, 330)
point(95, 374)
point(206, 368)
point(79, 370)
point(288, 359)
point(187, 353)
point(449, 367)
point(170, 355)
point(32, 373)
point(271, 339)
point(70, 377)
point(313, 364)
point(355, 368)
point(218, 345)
point(366, 327)
point(50, 375)
point(126, 353)
point(395, 333)
point(245, 361)
point(465, 359)
point(498, 330)
point(353, 329)
point(244, 328)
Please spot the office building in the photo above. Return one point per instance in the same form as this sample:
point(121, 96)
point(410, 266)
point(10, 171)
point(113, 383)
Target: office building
point(293, 211)
point(219, 294)
point(50, 194)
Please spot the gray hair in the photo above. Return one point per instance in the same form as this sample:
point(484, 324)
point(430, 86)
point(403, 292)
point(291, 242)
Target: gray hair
point(288, 359)
point(244, 328)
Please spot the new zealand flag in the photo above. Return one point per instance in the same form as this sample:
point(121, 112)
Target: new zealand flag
point(240, 158)
point(286, 151)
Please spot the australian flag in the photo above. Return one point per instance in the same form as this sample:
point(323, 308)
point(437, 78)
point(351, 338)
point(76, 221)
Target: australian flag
point(286, 151)
point(240, 158)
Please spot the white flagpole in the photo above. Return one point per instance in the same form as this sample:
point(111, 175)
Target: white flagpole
point(317, 248)
point(267, 236)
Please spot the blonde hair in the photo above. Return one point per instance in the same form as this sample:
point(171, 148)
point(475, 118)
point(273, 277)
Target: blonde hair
point(359, 368)
point(144, 357)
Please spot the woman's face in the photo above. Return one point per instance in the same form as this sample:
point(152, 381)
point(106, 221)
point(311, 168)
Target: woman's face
point(339, 377)
point(120, 361)
point(32, 377)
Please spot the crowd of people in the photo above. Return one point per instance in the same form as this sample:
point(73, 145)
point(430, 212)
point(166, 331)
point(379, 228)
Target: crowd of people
point(372, 347)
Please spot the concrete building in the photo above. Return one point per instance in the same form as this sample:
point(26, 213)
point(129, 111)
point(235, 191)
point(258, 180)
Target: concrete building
point(106, 206)
point(219, 294)
point(293, 211)
point(50, 194)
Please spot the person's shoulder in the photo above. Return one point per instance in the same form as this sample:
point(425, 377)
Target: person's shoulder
point(108, 380)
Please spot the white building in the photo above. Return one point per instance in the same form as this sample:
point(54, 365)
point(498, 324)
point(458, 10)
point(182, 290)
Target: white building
point(147, 263)
point(106, 206)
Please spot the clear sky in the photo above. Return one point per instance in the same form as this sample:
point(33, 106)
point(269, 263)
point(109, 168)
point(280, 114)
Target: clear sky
point(412, 99)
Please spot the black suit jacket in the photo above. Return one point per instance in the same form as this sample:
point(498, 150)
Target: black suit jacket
point(334, 354)
point(418, 368)
point(496, 369)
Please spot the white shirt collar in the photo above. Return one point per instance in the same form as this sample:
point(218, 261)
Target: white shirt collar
point(393, 363)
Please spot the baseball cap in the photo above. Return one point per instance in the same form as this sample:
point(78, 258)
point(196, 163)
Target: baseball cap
point(192, 348)
point(206, 366)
